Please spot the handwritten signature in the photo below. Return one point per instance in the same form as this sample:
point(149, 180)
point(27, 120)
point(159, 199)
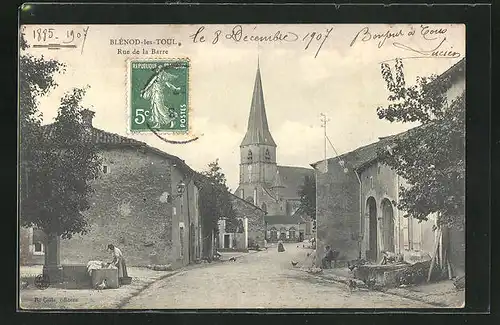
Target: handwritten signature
point(238, 34)
point(435, 52)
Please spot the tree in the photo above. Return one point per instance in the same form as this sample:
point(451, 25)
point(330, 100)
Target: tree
point(56, 166)
point(307, 193)
point(430, 157)
point(215, 201)
point(59, 179)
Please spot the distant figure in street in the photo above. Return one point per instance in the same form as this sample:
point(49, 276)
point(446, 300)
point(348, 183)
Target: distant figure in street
point(281, 248)
point(119, 262)
point(330, 256)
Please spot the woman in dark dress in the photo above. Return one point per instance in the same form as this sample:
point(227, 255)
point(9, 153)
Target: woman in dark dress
point(281, 248)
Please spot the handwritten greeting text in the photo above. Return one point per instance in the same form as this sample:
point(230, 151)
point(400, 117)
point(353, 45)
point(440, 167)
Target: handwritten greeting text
point(436, 37)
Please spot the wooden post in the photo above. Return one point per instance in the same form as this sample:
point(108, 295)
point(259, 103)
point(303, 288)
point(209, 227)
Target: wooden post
point(435, 251)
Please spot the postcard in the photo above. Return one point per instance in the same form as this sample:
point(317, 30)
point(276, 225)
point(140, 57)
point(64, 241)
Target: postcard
point(241, 166)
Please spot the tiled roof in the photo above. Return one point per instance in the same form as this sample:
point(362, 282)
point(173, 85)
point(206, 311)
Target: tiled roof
point(292, 178)
point(105, 139)
point(282, 219)
point(234, 196)
point(366, 155)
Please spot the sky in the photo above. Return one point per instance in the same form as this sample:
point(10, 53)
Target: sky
point(306, 70)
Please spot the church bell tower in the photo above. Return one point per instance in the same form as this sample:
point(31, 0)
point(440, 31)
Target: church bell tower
point(257, 150)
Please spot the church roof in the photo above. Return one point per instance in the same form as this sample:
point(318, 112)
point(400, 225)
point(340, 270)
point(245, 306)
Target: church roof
point(292, 178)
point(258, 129)
point(278, 182)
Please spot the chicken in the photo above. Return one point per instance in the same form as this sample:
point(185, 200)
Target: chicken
point(232, 259)
point(101, 286)
point(370, 283)
point(308, 254)
point(294, 263)
point(351, 267)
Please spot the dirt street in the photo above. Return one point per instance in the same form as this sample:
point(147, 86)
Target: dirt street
point(265, 279)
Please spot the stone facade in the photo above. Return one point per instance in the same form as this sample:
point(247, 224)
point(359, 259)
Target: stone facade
point(384, 226)
point(255, 219)
point(296, 228)
point(337, 208)
point(137, 207)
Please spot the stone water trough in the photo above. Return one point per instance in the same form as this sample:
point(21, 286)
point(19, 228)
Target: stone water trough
point(393, 275)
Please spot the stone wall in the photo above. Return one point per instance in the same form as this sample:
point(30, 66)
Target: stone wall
point(128, 209)
point(338, 215)
point(256, 226)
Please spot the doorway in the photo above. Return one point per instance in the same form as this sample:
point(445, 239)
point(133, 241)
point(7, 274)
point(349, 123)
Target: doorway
point(388, 225)
point(192, 242)
point(301, 236)
point(371, 206)
point(226, 241)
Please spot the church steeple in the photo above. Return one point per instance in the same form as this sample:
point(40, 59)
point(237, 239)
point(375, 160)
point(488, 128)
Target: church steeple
point(258, 129)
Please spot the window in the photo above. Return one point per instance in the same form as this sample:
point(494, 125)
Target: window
point(105, 169)
point(38, 249)
point(371, 181)
point(249, 156)
point(267, 155)
point(264, 207)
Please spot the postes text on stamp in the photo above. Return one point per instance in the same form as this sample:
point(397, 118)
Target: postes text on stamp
point(159, 98)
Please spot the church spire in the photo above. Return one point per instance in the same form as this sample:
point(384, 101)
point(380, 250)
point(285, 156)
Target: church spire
point(258, 129)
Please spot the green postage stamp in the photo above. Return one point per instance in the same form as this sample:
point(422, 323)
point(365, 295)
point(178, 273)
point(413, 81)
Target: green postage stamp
point(159, 98)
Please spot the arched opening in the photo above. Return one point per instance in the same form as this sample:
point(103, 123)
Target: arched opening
point(371, 207)
point(249, 156)
point(388, 225)
point(267, 155)
point(291, 234)
point(274, 234)
point(282, 233)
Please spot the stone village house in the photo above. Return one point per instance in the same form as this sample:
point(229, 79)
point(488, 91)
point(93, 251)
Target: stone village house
point(145, 203)
point(252, 227)
point(356, 207)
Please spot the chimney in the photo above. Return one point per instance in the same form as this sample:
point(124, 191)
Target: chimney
point(87, 116)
